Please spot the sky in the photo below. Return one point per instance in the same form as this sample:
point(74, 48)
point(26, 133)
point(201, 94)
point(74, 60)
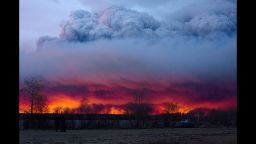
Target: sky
point(104, 51)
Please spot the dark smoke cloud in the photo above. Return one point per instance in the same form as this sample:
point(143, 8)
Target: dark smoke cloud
point(73, 90)
point(151, 92)
point(118, 22)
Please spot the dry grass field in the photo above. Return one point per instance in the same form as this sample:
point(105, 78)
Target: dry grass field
point(132, 136)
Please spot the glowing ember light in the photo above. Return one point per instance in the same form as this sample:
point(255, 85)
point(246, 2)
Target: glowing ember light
point(114, 110)
point(64, 102)
point(108, 105)
point(184, 109)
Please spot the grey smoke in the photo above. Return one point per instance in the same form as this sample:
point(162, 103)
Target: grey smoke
point(195, 41)
point(119, 22)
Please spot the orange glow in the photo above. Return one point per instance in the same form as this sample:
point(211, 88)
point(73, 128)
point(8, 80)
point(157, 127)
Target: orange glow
point(64, 102)
point(115, 106)
point(93, 100)
point(104, 96)
point(71, 103)
point(23, 108)
point(116, 111)
point(181, 109)
point(184, 109)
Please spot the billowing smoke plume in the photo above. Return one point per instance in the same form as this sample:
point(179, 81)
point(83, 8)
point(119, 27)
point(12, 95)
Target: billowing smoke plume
point(120, 41)
point(119, 22)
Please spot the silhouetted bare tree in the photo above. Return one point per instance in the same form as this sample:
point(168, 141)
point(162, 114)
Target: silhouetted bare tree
point(140, 111)
point(171, 108)
point(58, 110)
point(139, 94)
point(67, 110)
point(83, 107)
point(130, 109)
point(41, 104)
point(138, 107)
point(37, 101)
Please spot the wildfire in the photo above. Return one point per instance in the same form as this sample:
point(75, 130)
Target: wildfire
point(184, 109)
point(181, 109)
point(114, 110)
point(64, 102)
point(109, 107)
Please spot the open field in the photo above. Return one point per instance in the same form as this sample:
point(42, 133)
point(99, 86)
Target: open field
point(132, 136)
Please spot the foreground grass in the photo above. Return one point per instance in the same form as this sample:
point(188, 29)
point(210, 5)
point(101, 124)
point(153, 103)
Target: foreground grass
point(132, 136)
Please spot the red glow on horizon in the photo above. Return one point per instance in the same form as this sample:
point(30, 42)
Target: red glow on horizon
point(64, 102)
point(72, 103)
point(110, 98)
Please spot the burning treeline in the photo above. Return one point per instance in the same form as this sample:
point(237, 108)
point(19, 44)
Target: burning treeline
point(38, 96)
point(85, 107)
point(135, 114)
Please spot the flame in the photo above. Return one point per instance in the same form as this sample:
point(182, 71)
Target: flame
point(64, 102)
point(114, 110)
point(115, 106)
point(181, 109)
point(184, 110)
